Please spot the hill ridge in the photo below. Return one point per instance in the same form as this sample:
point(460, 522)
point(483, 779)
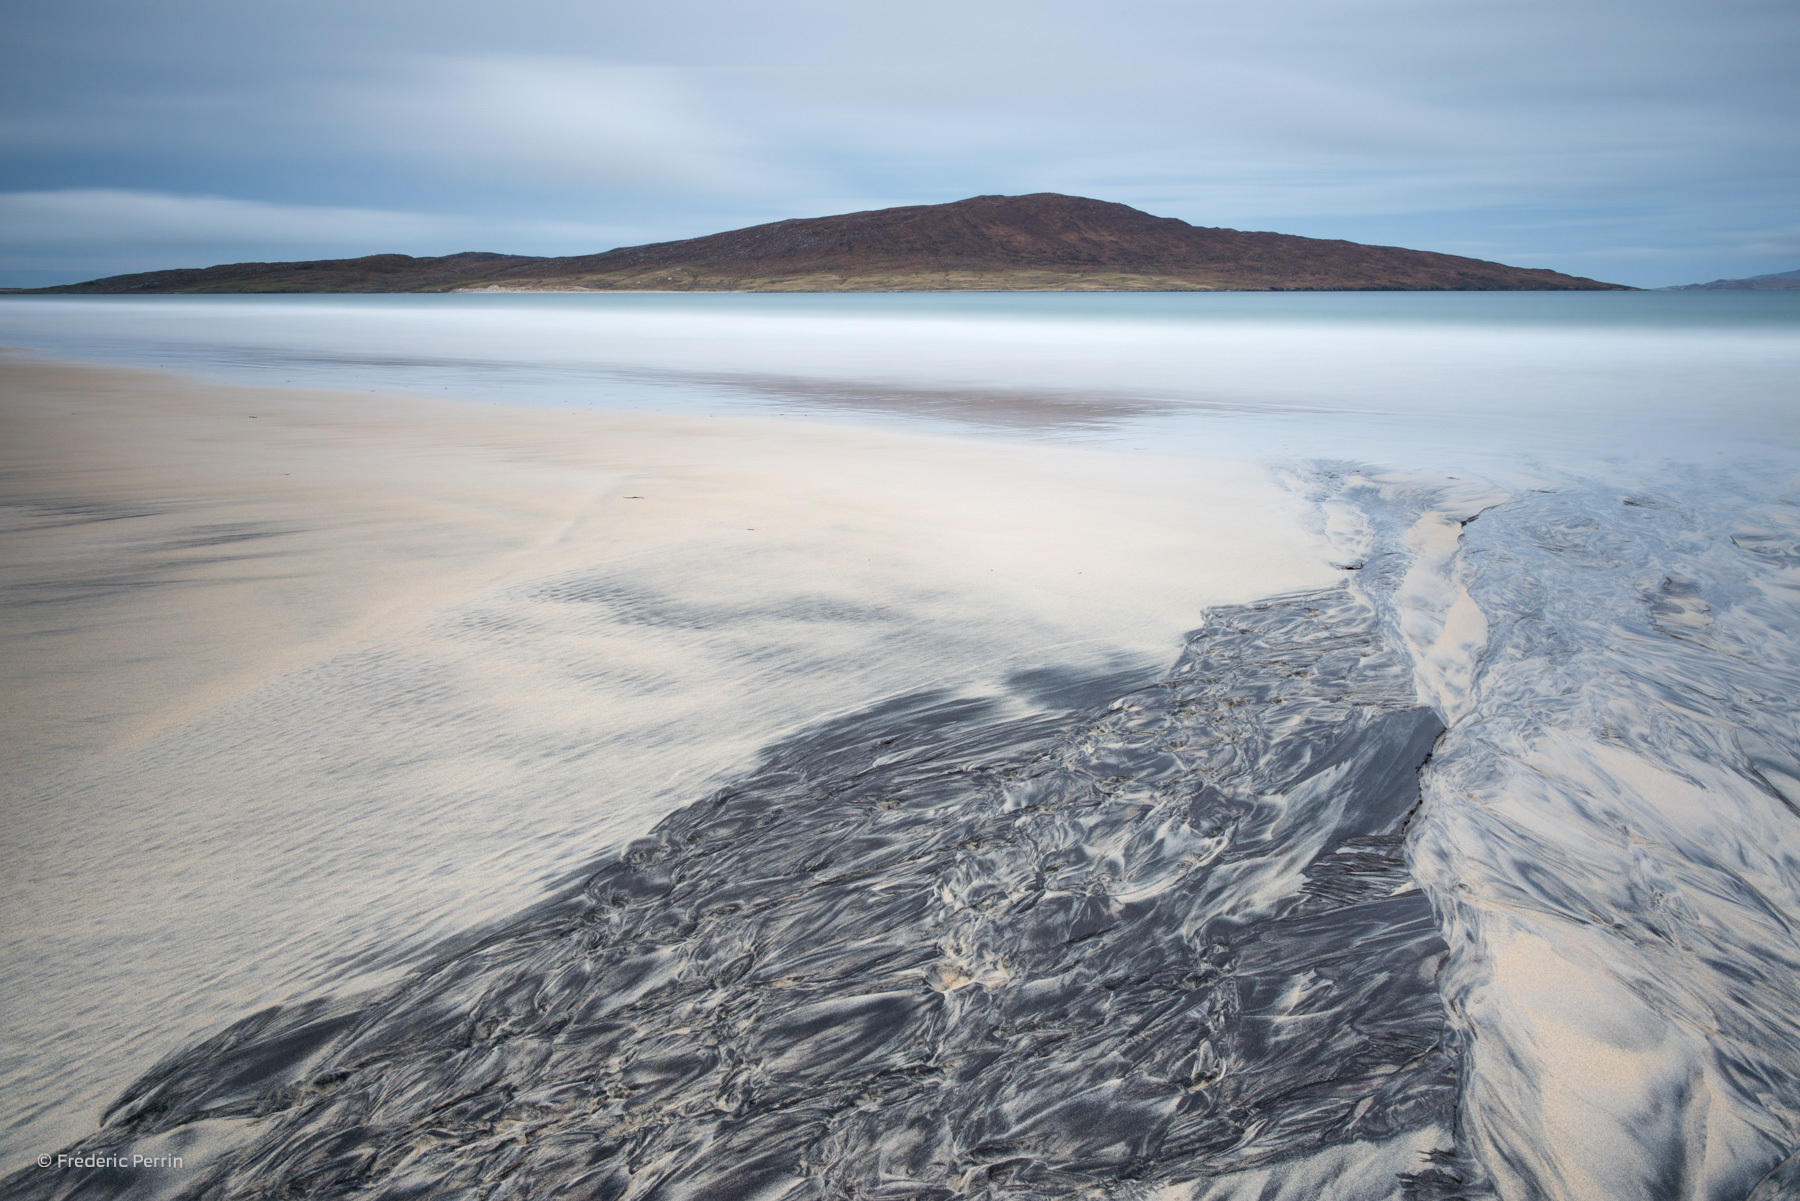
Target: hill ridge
point(1774, 281)
point(1043, 241)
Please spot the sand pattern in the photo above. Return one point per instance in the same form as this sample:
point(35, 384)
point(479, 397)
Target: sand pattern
point(934, 949)
point(1227, 933)
point(477, 648)
point(1611, 823)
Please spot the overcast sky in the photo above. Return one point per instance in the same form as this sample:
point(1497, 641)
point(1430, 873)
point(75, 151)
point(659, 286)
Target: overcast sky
point(1640, 141)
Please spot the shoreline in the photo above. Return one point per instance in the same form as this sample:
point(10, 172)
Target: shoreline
point(561, 663)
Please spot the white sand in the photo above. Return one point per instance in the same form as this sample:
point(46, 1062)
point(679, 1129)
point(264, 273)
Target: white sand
point(1604, 833)
point(297, 682)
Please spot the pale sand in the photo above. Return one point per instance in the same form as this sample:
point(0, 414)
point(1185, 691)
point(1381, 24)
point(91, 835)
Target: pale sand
point(296, 682)
point(1608, 826)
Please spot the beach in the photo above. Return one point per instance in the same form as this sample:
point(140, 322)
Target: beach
point(1204, 752)
point(302, 683)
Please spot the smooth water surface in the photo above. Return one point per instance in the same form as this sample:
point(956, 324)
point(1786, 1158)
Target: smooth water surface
point(1469, 375)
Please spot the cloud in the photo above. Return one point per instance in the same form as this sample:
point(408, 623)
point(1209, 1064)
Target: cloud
point(1781, 244)
point(1511, 123)
point(94, 217)
point(554, 122)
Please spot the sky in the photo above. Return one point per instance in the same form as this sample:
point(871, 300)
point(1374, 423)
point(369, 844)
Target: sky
point(1646, 142)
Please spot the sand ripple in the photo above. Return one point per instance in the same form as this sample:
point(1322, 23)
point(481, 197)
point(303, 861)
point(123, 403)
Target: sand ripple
point(933, 949)
point(1610, 833)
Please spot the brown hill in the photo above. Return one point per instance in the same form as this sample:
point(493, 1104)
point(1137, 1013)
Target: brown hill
point(1043, 242)
point(372, 273)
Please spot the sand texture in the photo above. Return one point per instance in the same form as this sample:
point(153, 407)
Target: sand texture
point(934, 949)
point(1611, 824)
point(416, 799)
point(299, 684)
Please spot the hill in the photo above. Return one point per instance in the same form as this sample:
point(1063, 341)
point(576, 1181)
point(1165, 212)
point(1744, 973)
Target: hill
point(1779, 281)
point(1042, 242)
point(373, 273)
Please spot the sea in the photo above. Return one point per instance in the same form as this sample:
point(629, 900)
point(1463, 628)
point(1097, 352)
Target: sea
point(1475, 874)
point(1530, 374)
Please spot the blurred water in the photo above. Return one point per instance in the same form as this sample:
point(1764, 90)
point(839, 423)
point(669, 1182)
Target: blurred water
point(1461, 377)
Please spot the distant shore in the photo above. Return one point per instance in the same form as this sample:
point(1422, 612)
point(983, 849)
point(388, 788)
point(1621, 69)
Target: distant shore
point(1042, 242)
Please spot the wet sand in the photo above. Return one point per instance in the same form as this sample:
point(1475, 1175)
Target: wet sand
point(299, 684)
point(800, 810)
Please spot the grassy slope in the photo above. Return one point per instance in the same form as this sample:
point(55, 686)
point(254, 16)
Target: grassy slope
point(689, 280)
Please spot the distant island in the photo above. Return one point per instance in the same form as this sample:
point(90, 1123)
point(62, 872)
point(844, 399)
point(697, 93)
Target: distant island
point(1039, 243)
point(1779, 281)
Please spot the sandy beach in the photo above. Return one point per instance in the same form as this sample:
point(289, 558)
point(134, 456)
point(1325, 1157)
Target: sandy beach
point(299, 684)
point(813, 753)
point(700, 602)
